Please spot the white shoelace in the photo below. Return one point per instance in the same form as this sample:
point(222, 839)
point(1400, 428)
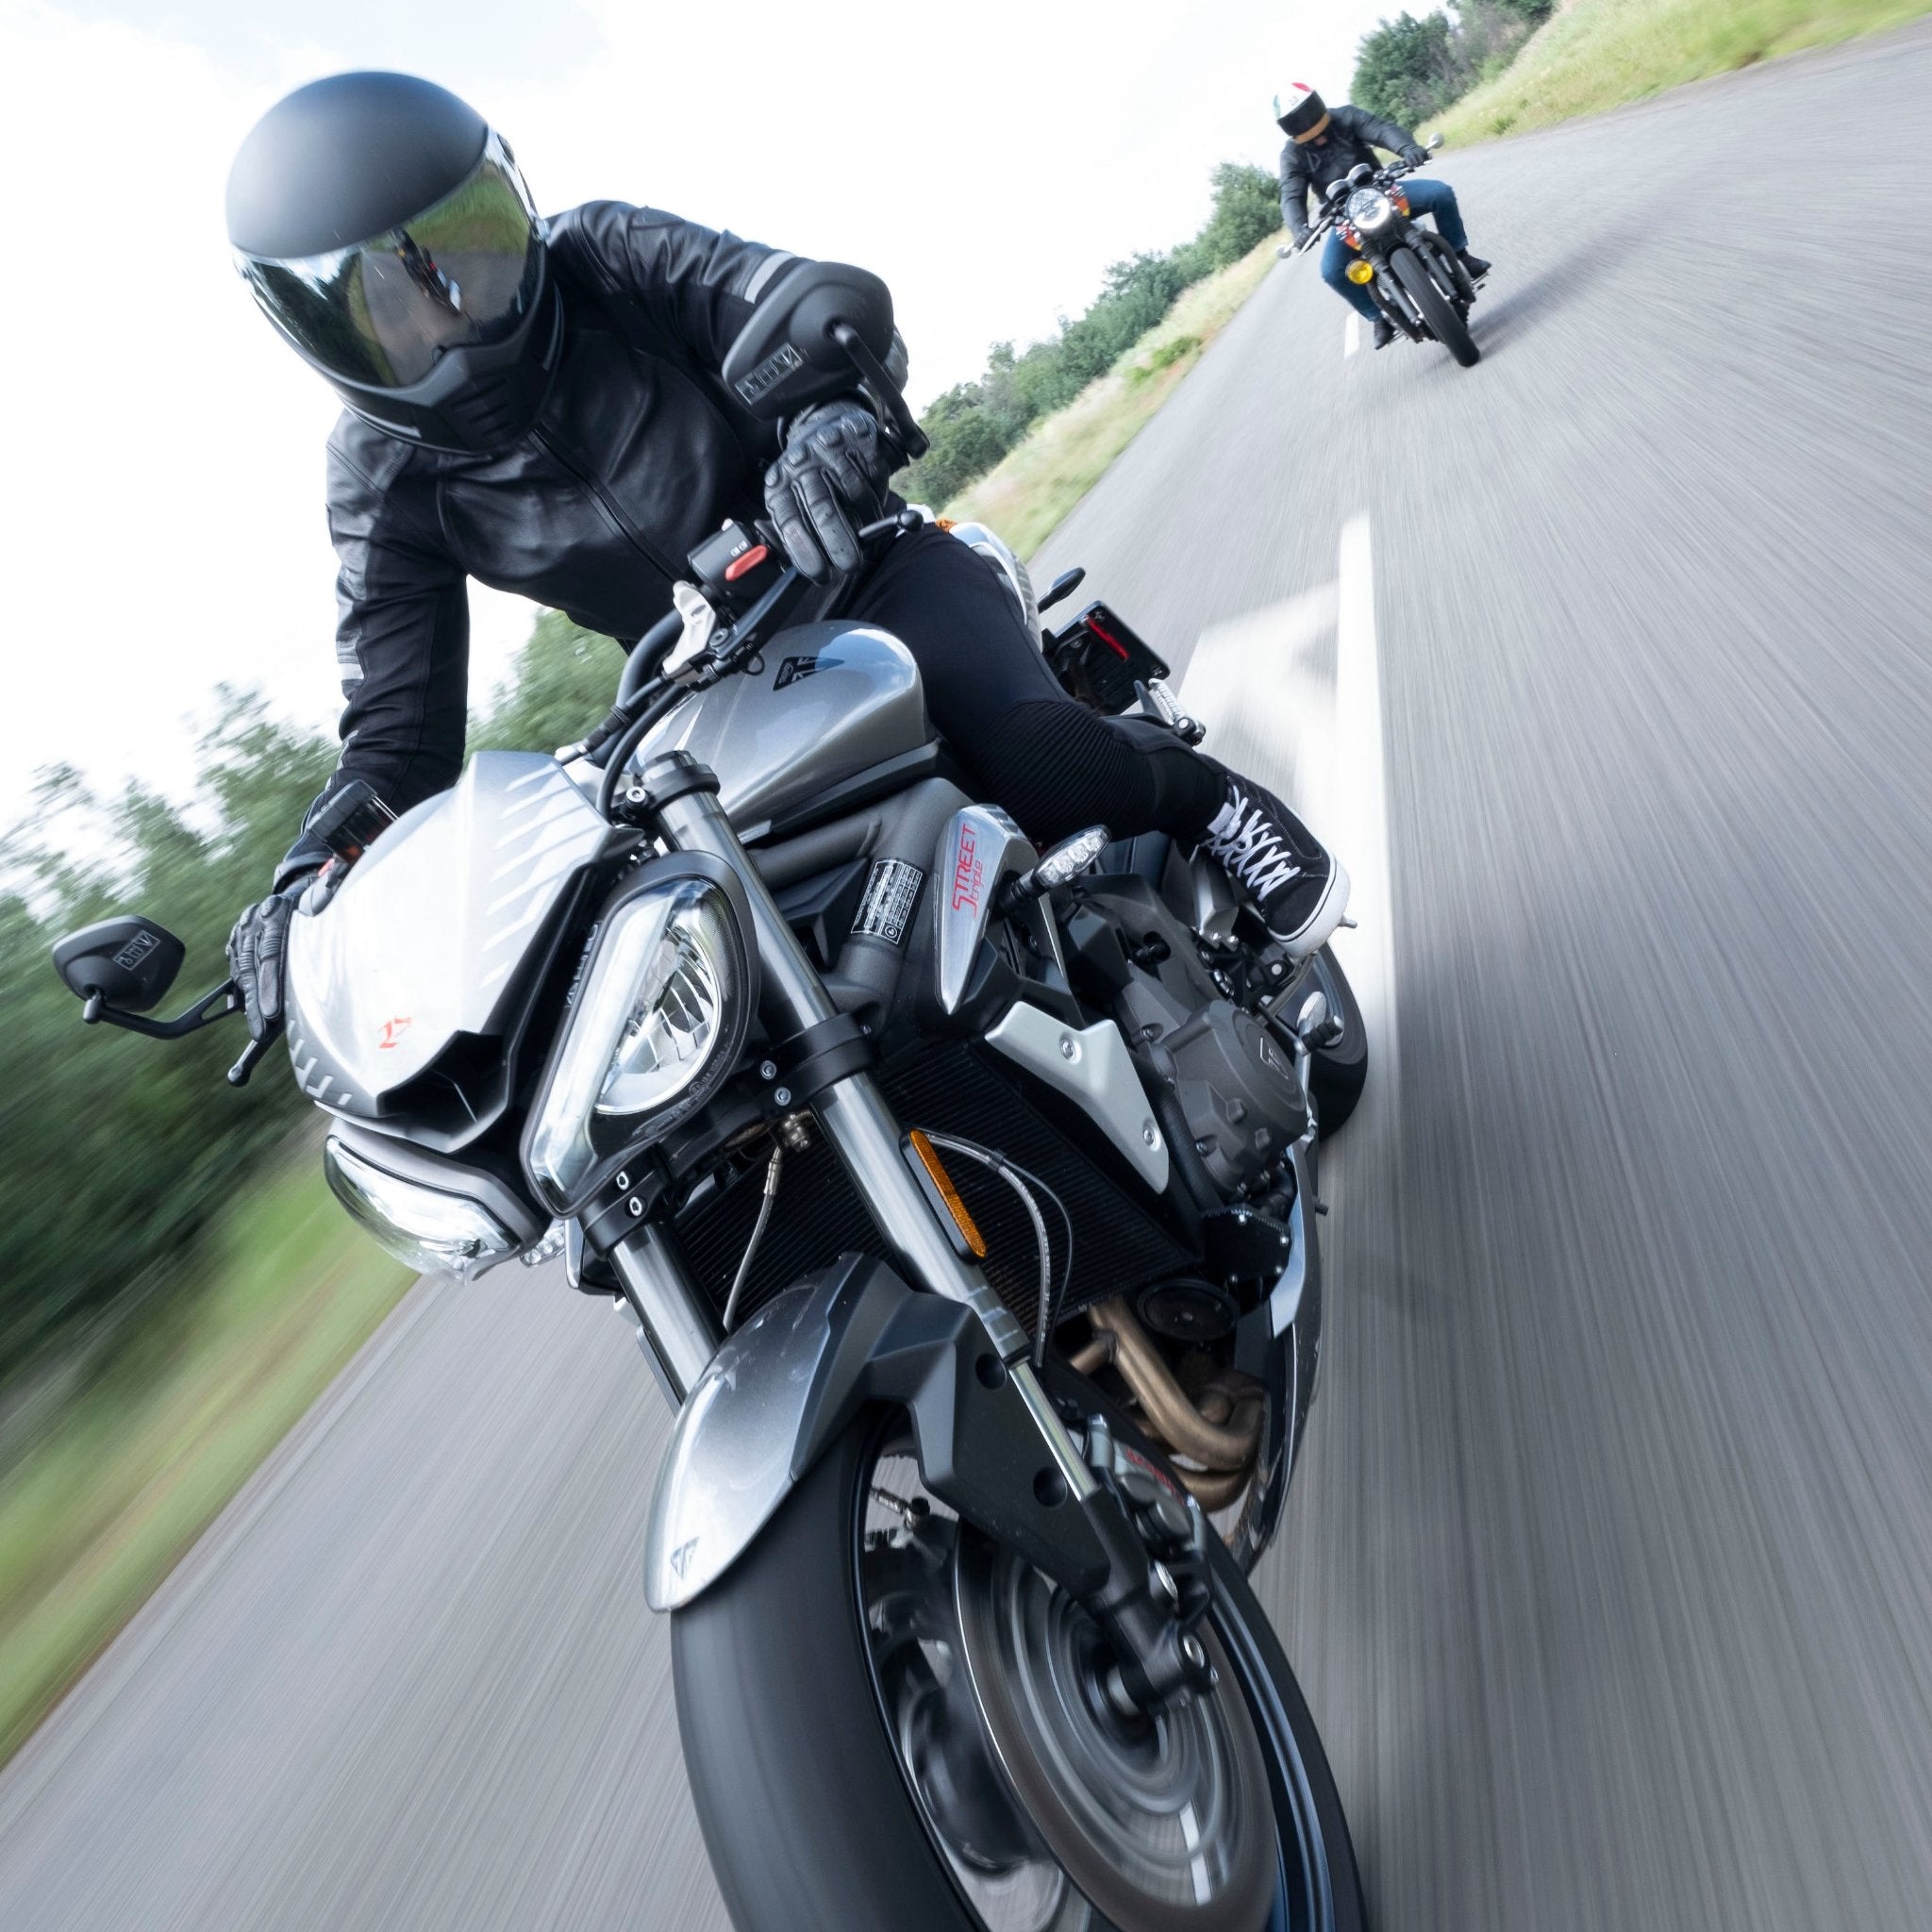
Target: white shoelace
point(1245, 842)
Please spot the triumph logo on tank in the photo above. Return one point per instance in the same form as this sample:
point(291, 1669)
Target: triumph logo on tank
point(968, 873)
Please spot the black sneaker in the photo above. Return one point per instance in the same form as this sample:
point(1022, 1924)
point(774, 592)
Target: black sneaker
point(1297, 885)
point(1473, 265)
point(1385, 331)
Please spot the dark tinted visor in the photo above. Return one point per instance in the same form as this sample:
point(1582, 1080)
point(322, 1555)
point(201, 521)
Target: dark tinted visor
point(381, 311)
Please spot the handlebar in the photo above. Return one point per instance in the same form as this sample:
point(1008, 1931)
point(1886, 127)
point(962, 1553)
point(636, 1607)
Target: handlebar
point(1335, 201)
point(654, 692)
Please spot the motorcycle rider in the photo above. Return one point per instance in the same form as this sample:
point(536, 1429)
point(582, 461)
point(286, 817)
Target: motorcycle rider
point(536, 404)
point(1324, 145)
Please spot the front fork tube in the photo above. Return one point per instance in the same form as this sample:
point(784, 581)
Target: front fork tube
point(853, 1114)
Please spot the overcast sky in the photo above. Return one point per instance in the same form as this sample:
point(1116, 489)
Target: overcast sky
point(160, 504)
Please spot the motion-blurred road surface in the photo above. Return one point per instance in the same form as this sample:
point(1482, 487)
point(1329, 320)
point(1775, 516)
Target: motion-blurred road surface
point(1610, 1570)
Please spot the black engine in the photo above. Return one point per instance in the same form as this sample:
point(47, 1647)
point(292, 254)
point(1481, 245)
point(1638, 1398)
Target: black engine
point(1235, 1084)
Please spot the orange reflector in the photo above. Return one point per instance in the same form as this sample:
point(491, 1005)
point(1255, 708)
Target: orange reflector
point(1360, 271)
point(935, 1172)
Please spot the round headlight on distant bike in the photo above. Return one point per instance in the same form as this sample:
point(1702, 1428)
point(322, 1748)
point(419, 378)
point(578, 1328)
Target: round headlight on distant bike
point(656, 1022)
point(1369, 209)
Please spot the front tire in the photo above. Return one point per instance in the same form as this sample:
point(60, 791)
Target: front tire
point(1435, 309)
point(806, 1806)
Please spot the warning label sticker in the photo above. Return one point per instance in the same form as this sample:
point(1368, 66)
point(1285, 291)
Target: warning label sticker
point(890, 894)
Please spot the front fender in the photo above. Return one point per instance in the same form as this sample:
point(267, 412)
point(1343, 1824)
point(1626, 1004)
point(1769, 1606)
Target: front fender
point(785, 1385)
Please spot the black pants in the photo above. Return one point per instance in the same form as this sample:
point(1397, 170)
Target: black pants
point(1050, 762)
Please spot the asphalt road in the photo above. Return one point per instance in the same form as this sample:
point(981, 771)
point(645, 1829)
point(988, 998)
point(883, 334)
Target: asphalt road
point(1610, 1569)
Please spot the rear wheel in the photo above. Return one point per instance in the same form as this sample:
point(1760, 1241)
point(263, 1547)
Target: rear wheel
point(890, 1721)
point(1339, 1071)
point(1434, 307)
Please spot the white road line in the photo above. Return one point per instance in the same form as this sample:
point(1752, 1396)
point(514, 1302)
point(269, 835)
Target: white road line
point(1360, 801)
point(1351, 335)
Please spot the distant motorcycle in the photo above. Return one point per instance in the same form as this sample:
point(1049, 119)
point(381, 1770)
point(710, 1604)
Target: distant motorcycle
point(983, 1423)
point(1410, 272)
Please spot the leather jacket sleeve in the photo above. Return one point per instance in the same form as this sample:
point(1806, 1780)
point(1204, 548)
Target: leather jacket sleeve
point(403, 644)
point(1294, 192)
point(692, 284)
point(1375, 130)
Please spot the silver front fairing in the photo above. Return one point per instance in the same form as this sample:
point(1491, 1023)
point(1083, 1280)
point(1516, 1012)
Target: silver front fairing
point(832, 699)
point(424, 939)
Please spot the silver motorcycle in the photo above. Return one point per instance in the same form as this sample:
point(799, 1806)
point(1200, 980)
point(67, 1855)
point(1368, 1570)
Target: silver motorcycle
point(963, 1198)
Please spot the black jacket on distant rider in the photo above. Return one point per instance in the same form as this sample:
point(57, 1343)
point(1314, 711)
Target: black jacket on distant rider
point(1350, 141)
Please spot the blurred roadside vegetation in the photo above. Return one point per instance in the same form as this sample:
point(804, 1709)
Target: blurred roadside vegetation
point(1479, 75)
point(180, 1286)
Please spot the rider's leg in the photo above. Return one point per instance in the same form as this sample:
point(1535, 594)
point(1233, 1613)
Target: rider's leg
point(1436, 199)
point(1059, 767)
point(1336, 256)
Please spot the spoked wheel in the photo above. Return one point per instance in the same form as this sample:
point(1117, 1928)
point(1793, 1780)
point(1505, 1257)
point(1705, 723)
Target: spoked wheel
point(891, 1722)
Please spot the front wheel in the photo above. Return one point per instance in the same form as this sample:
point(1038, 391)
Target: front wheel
point(1434, 307)
point(888, 1723)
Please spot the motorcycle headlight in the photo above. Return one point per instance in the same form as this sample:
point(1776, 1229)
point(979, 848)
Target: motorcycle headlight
point(656, 1025)
point(1369, 209)
point(421, 1226)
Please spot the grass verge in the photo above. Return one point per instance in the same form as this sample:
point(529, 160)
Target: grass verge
point(130, 1470)
point(1065, 454)
point(1601, 53)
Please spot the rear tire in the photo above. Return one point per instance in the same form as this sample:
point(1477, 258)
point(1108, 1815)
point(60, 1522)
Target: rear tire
point(809, 1820)
point(1338, 1072)
point(1434, 307)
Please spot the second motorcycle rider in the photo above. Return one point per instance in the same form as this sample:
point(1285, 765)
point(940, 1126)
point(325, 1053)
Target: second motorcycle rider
point(536, 404)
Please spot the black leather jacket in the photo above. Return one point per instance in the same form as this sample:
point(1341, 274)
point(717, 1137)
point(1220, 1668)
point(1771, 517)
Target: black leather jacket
point(638, 454)
point(1352, 137)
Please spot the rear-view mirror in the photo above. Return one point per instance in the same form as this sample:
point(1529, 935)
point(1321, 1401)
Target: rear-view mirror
point(128, 960)
point(787, 354)
point(1435, 141)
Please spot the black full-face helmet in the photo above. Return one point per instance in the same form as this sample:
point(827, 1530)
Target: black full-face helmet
point(1301, 112)
point(384, 228)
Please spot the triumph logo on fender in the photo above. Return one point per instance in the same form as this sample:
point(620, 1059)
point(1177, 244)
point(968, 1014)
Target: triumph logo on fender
point(968, 873)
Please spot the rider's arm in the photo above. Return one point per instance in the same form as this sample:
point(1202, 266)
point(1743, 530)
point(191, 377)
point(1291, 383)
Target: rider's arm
point(1375, 130)
point(403, 642)
point(1294, 194)
point(692, 283)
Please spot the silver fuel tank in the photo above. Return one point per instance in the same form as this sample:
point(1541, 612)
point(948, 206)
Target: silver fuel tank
point(832, 699)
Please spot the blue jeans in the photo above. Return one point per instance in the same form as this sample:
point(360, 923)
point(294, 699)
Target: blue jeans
point(1436, 199)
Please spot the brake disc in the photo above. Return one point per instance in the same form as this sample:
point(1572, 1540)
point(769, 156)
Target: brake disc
point(1165, 1823)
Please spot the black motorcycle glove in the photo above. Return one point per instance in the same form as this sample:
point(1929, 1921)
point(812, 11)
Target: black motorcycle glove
point(1413, 156)
point(830, 480)
point(256, 949)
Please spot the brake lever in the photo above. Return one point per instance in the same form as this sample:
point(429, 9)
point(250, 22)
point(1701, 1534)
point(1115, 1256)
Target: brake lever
point(251, 1058)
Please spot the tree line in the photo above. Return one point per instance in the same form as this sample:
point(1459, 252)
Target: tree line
point(974, 424)
point(1407, 69)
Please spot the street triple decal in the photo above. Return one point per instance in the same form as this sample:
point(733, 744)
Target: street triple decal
point(969, 872)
